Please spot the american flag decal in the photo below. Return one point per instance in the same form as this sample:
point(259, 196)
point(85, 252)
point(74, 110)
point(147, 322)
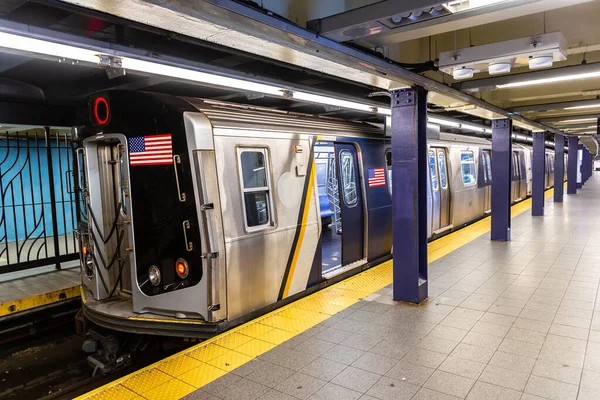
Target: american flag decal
point(376, 177)
point(151, 150)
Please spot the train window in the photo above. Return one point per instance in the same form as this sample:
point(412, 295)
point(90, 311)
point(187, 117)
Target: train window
point(388, 167)
point(442, 165)
point(433, 171)
point(483, 168)
point(255, 186)
point(348, 178)
point(488, 164)
point(467, 162)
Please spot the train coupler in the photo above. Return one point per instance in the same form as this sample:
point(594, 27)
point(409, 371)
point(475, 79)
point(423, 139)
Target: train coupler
point(104, 352)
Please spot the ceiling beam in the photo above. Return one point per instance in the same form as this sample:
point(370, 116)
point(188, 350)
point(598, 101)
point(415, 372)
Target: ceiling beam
point(564, 105)
point(529, 79)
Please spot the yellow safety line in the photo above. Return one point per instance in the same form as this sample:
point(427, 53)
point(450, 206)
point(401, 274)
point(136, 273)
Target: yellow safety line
point(182, 373)
point(290, 276)
point(15, 306)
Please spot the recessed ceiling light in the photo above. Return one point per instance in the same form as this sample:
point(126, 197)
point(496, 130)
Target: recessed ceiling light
point(462, 73)
point(499, 68)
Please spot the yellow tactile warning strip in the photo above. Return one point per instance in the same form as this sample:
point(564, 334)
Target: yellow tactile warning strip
point(28, 303)
point(182, 373)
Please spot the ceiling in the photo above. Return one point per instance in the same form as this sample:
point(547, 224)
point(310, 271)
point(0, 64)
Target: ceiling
point(33, 79)
point(555, 103)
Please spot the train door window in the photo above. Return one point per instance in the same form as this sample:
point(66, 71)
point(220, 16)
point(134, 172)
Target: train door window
point(388, 168)
point(467, 163)
point(433, 171)
point(122, 178)
point(350, 194)
point(488, 164)
point(516, 165)
point(483, 166)
point(443, 171)
point(254, 171)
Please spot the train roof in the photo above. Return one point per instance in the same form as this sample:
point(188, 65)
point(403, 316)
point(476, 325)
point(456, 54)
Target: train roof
point(235, 116)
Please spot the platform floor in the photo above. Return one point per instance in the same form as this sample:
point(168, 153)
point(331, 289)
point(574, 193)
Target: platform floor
point(514, 320)
point(21, 291)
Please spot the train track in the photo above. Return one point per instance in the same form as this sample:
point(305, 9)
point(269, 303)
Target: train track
point(41, 357)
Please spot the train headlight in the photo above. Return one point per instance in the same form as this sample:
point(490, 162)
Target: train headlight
point(154, 275)
point(182, 269)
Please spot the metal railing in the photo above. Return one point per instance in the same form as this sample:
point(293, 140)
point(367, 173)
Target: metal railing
point(38, 215)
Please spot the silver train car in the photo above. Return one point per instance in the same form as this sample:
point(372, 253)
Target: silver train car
point(199, 215)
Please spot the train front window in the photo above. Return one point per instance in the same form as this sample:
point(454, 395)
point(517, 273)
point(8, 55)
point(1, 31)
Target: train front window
point(348, 180)
point(467, 163)
point(254, 171)
point(433, 171)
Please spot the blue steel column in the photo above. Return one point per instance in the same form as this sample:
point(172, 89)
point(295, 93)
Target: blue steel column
point(559, 167)
point(409, 193)
point(502, 173)
point(572, 166)
point(539, 174)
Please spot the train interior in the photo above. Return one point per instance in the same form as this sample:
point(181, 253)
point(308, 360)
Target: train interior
point(329, 204)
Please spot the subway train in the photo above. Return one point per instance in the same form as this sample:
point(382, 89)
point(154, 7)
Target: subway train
point(198, 215)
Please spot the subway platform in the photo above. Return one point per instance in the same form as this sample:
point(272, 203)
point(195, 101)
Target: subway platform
point(24, 291)
point(515, 320)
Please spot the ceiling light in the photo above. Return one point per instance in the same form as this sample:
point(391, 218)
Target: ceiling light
point(30, 45)
point(472, 127)
point(384, 111)
point(443, 122)
point(197, 76)
point(463, 73)
point(314, 98)
point(554, 79)
point(581, 107)
point(499, 68)
point(541, 62)
point(568, 121)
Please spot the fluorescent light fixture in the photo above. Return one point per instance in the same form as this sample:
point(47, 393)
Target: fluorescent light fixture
point(581, 107)
point(37, 46)
point(499, 68)
point(472, 128)
point(554, 79)
point(384, 111)
point(568, 121)
point(541, 62)
point(443, 122)
point(314, 98)
point(197, 76)
point(463, 73)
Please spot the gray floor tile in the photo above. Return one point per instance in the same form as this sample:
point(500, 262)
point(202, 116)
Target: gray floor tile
point(393, 350)
point(335, 392)
point(390, 389)
point(361, 342)
point(424, 357)
point(473, 353)
point(323, 368)
point(450, 384)
point(490, 328)
point(333, 335)
point(487, 391)
point(520, 348)
point(410, 373)
point(551, 389)
point(558, 372)
point(513, 361)
point(356, 379)
point(525, 335)
point(315, 346)
point(462, 367)
point(276, 395)
point(244, 389)
point(428, 394)
point(288, 358)
point(437, 344)
point(270, 375)
point(201, 395)
point(343, 354)
point(217, 386)
point(504, 377)
point(374, 363)
point(482, 340)
point(300, 385)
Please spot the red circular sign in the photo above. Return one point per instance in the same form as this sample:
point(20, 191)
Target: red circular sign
point(101, 110)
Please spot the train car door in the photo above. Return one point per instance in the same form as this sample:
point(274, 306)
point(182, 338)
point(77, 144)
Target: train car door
point(487, 190)
point(435, 190)
point(547, 172)
point(444, 187)
point(352, 207)
point(516, 178)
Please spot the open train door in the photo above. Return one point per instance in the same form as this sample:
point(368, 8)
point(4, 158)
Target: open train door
point(351, 204)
